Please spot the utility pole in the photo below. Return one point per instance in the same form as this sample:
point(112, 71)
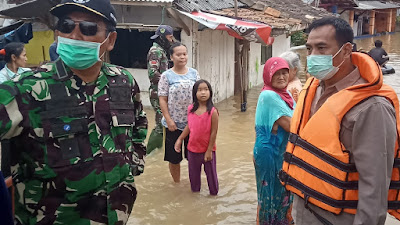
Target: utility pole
point(239, 67)
point(236, 8)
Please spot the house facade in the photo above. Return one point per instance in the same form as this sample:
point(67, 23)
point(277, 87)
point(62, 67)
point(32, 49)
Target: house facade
point(366, 17)
point(211, 52)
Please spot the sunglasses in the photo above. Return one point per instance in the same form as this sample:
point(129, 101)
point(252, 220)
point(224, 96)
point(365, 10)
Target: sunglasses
point(87, 28)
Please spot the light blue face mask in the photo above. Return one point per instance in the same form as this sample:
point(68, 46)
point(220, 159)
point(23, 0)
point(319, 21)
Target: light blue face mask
point(78, 54)
point(321, 66)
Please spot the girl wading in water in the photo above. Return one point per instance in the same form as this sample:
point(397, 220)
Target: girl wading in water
point(203, 127)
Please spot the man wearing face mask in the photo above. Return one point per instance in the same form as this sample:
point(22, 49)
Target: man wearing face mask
point(344, 135)
point(75, 126)
point(157, 63)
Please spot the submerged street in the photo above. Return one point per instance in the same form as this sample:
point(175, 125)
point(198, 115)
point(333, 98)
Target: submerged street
point(160, 201)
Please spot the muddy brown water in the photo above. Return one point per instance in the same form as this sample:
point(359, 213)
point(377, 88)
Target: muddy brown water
point(160, 201)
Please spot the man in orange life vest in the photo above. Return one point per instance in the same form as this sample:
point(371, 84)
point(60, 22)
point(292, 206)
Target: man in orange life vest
point(340, 156)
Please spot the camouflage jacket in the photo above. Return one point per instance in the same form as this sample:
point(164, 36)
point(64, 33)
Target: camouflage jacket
point(157, 63)
point(75, 146)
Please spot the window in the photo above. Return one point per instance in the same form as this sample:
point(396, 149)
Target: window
point(266, 53)
point(131, 48)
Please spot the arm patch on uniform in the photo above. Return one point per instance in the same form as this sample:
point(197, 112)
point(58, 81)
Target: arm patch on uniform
point(153, 62)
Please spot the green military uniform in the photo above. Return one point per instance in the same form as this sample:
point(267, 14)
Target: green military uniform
point(75, 146)
point(157, 63)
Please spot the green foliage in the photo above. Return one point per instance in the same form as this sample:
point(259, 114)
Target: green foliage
point(257, 65)
point(398, 19)
point(298, 38)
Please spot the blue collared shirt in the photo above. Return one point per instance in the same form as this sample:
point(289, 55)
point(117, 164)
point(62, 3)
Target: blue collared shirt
point(6, 74)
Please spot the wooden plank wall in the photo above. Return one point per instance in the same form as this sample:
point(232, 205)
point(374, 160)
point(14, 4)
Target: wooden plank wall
point(381, 17)
point(385, 20)
point(255, 65)
point(216, 62)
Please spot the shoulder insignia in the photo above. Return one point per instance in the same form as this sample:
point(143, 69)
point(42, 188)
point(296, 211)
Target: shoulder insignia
point(114, 70)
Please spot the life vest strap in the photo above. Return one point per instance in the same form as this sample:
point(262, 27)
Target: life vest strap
point(342, 204)
point(318, 216)
point(394, 205)
point(298, 141)
point(348, 185)
point(394, 185)
point(396, 163)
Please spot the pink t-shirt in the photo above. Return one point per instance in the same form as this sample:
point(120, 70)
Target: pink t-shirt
point(200, 131)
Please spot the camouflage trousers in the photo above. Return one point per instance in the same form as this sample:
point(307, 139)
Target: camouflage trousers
point(156, 106)
point(156, 137)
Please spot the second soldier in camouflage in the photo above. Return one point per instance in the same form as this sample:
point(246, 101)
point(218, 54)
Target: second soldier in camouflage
point(157, 63)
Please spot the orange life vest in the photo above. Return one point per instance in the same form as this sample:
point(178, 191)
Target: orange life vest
point(316, 165)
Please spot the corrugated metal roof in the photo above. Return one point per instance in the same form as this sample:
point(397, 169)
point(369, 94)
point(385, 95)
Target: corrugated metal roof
point(146, 0)
point(370, 5)
point(339, 3)
point(205, 5)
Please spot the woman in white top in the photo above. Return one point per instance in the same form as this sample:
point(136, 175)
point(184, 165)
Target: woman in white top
point(14, 54)
point(175, 95)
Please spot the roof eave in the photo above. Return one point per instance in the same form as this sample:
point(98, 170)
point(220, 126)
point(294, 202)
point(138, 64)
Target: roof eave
point(276, 31)
point(136, 3)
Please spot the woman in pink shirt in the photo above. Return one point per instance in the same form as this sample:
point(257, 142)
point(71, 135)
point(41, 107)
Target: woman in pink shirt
point(202, 126)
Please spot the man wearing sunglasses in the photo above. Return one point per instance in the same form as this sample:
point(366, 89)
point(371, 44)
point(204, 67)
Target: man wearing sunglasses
point(157, 63)
point(76, 126)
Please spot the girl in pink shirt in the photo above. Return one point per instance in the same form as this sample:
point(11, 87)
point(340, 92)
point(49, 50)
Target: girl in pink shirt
point(202, 126)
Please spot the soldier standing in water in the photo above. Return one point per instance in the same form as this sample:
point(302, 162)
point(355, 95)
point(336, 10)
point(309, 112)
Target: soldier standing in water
point(157, 63)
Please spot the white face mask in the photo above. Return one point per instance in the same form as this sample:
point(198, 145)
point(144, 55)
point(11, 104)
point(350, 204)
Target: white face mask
point(321, 66)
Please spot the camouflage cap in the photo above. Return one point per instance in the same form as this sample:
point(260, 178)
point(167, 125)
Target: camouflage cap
point(163, 30)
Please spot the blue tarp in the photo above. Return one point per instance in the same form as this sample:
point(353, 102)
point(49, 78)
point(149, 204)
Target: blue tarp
point(21, 34)
point(5, 203)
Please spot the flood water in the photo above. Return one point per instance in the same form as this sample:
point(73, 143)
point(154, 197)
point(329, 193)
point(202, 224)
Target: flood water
point(160, 201)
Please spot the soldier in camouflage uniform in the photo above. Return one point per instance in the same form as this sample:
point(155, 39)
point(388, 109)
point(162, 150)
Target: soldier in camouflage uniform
point(76, 127)
point(157, 63)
